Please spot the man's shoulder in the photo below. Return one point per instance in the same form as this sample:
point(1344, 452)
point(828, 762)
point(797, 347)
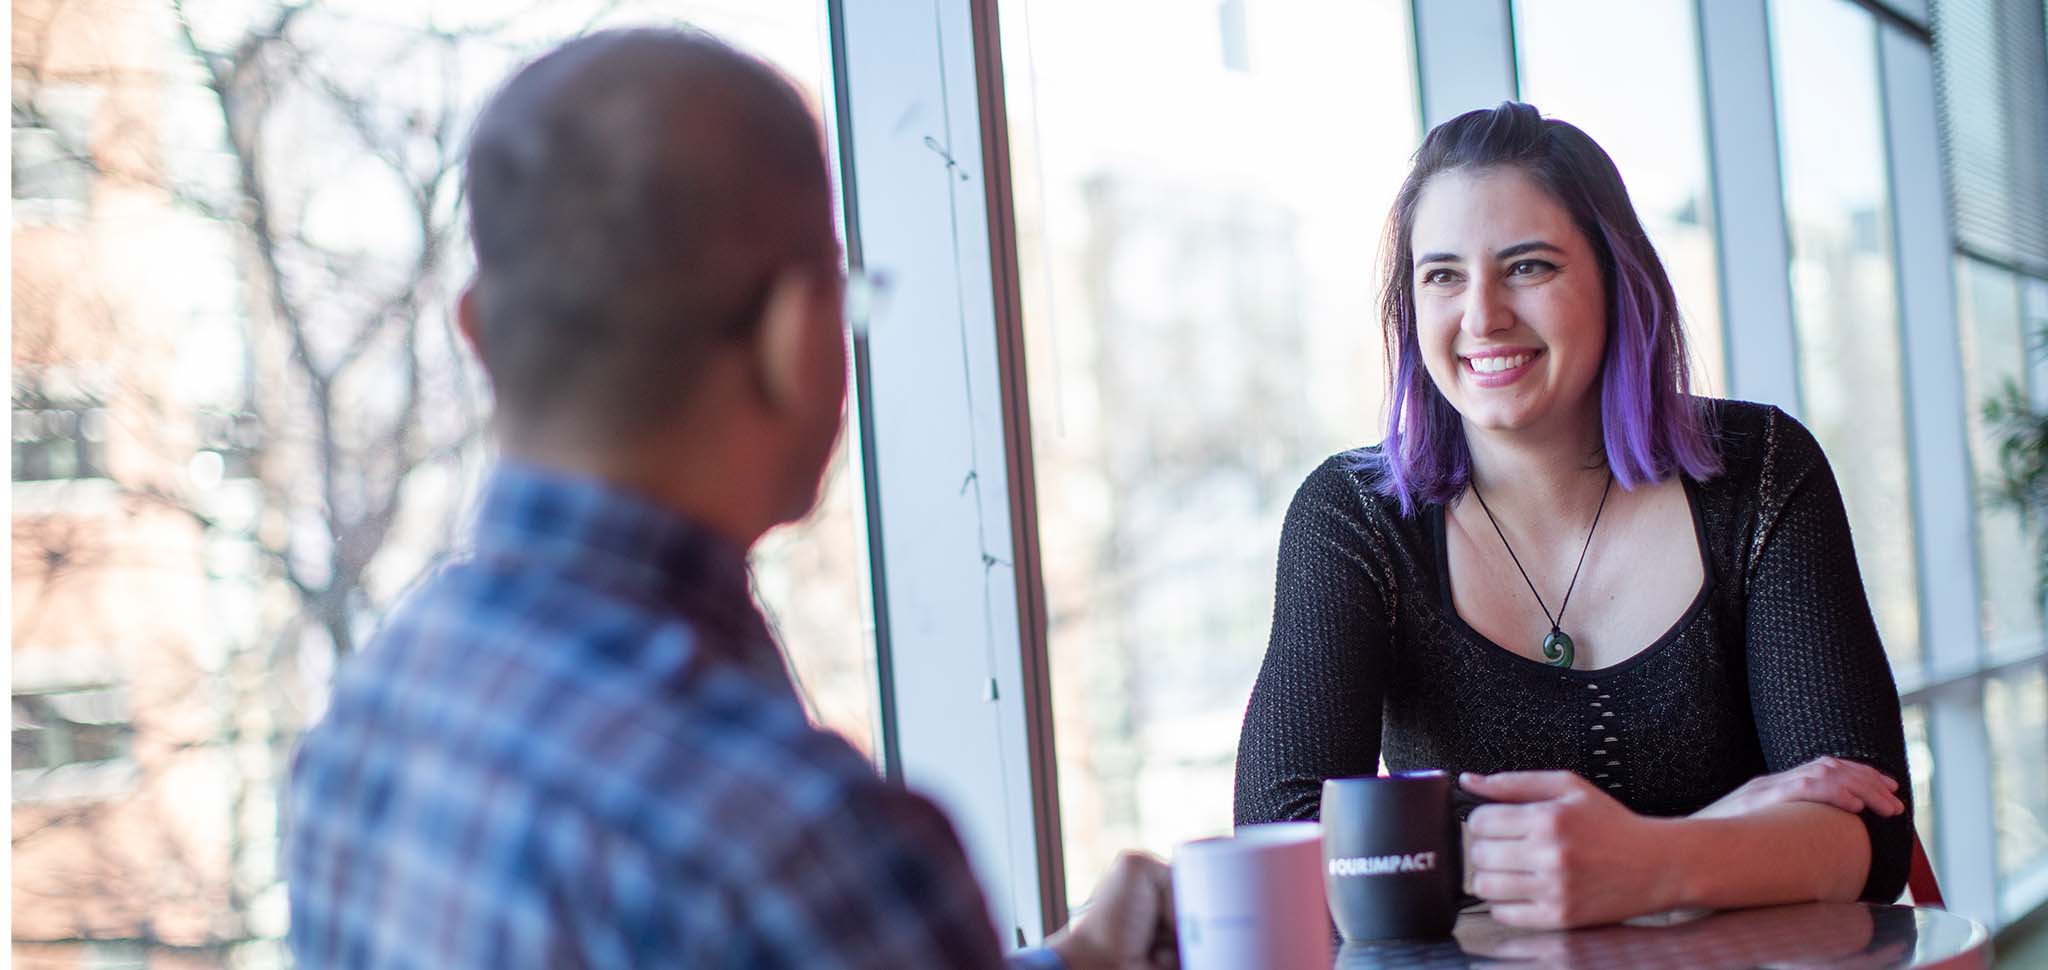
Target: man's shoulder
point(588, 706)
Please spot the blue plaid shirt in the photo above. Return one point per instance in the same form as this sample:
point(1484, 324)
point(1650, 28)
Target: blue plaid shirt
point(579, 748)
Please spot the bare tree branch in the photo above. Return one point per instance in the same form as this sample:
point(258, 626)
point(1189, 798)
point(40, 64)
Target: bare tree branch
point(343, 380)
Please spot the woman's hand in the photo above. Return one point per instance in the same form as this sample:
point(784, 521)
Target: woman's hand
point(1557, 852)
point(1848, 785)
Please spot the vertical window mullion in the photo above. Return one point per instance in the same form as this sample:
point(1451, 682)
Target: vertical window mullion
point(950, 504)
point(1465, 55)
point(1756, 294)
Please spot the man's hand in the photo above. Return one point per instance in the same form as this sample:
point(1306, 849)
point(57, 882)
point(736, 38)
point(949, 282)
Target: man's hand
point(1127, 924)
point(1555, 852)
point(1848, 785)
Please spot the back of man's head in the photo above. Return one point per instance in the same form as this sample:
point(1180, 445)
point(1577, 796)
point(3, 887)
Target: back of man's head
point(632, 194)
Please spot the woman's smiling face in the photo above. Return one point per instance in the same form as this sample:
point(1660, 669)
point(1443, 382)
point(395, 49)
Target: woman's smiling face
point(1510, 308)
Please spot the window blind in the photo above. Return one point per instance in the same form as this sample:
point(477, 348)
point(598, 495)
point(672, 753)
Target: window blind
point(1991, 68)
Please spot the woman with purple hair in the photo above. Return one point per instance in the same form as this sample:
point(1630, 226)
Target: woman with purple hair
point(1631, 617)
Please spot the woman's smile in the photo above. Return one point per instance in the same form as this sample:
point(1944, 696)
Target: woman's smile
point(1499, 368)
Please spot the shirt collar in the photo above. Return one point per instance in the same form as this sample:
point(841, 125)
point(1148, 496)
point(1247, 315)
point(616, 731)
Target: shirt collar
point(549, 519)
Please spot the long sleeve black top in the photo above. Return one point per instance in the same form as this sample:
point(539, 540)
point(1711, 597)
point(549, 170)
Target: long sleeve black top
point(1777, 661)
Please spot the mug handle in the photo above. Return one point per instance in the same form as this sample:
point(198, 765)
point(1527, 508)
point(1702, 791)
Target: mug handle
point(1462, 804)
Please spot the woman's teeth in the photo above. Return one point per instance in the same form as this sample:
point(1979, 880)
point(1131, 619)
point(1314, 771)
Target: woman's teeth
point(1494, 365)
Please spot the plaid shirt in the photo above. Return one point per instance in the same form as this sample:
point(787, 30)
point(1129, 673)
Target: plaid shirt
point(579, 748)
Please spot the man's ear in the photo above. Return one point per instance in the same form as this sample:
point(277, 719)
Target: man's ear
point(785, 341)
point(468, 320)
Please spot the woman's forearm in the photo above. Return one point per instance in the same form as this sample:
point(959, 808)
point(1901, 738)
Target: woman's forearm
point(1788, 853)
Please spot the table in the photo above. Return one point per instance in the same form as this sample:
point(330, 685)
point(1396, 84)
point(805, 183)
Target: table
point(1818, 935)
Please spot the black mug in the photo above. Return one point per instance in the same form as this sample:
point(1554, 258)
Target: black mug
point(1393, 862)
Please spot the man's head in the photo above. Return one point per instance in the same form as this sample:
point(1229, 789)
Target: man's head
point(656, 258)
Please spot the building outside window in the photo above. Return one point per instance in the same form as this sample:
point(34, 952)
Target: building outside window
point(1199, 225)
point(58, 439)
point(1844, 291)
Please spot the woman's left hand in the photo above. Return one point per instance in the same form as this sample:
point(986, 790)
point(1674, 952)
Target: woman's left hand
point(1556, 852)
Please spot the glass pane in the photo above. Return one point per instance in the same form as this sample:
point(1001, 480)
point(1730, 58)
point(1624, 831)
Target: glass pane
point(1654, 44)
point(2016, 712)
point(247, 525)
point(811, 581)
point(1995, 356)
point(1920, 764)
point(1831, 133)
point(1199, 218)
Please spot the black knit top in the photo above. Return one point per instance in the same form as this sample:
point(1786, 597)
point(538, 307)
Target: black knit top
point(1777, 661)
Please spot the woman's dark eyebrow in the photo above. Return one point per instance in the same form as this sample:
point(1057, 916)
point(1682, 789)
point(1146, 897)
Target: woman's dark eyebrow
point(1518, 249)
point(1523, 248)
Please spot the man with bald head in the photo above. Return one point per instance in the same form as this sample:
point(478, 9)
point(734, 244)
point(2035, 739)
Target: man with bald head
point(578, 746)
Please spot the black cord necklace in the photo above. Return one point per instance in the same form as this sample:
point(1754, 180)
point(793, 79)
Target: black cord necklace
point(1557, 646)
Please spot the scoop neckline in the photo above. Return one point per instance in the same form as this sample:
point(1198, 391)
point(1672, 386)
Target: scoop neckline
point(1677, 629)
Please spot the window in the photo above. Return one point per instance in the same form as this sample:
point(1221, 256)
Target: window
point(1199, 217)
point(117, 956)
point(1997, 344)
point(1920, 762)
point(1831, 133)
point(277, 495)
point(1993, 82)
point(1655, 46)
point(79, 726)
point(45, 170)
point(810, 580)
point(57, 438)
point(2016, 712)
point(72, 745)
point(229, 442)
point(51, 162)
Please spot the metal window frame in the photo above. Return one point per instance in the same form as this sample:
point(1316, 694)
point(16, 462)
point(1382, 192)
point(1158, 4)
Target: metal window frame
point(1464, 56)
point(1908, 16)
point(1752, 232)
point(946, 439)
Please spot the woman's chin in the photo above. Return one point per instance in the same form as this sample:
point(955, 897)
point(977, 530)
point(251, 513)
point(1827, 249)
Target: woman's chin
point(1500, 420)
point(1529, 412)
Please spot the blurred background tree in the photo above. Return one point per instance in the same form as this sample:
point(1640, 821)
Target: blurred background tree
point(243, 418)
point(243, 425)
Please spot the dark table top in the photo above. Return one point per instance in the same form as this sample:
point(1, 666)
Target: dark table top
point(1816, 935)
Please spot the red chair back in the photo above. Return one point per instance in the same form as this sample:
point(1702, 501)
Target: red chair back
point(1920, 879)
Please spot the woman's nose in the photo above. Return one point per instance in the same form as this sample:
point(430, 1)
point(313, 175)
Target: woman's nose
point(1485, 311)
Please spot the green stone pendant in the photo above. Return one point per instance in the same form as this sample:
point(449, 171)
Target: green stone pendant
point(1557, 649)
